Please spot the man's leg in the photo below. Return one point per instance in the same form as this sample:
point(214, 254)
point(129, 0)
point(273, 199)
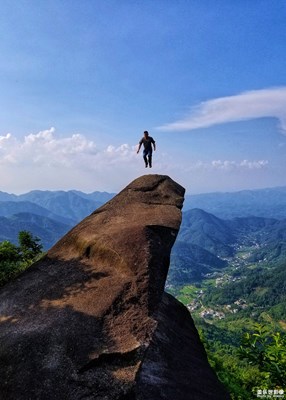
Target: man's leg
point(145, 158)
point(150, 159)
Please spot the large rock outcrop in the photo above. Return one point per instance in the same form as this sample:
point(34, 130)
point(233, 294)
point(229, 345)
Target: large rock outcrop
point(90, 320)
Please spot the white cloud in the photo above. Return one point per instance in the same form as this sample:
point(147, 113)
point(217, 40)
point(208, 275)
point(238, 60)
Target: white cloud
point(4, 138)
point(44, 160)
point(45, 149)
point(47, 161)
point(244, 106)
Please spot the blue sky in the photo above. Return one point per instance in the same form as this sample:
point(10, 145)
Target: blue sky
point(81, 80)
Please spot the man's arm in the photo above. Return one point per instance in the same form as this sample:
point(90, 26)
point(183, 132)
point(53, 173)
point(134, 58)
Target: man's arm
point(140, 144)
point(154, 144)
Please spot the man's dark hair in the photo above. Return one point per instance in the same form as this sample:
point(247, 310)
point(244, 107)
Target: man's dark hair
point(146, 132)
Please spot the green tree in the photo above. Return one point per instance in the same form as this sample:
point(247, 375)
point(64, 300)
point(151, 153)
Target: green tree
point(10, 261)
point(9, 252)
point(15, 259)
point(30, 246)
point(267, 351)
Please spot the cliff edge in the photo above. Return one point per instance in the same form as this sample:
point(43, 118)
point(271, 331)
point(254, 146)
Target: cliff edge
point(91, 319)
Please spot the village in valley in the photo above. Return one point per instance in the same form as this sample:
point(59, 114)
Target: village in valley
point(193, 295)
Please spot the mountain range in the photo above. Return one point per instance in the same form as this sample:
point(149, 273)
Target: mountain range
point(213, 222)
point(207, 243)
point(269, 203)
point(47, 214)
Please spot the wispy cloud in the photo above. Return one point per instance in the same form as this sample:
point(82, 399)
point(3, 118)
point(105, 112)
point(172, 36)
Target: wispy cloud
point(228, 165)
point(245, 164)
point(244, 106)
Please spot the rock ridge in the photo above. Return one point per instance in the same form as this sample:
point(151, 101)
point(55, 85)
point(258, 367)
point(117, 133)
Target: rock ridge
point(91, 320)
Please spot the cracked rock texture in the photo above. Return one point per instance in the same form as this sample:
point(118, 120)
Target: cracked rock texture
point(91, 320)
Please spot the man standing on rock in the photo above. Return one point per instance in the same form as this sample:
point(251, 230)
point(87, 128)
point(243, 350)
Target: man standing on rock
point(147, 142)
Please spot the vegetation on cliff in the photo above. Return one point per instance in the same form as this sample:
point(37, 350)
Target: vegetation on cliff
point(15, 259)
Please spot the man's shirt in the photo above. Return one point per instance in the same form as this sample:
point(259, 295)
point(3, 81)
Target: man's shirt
point(147, 142)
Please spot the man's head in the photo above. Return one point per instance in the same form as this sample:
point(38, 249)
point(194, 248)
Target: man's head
point(146, 134)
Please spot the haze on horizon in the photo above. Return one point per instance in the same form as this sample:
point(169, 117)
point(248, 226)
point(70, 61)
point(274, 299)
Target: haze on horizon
point(81, 81)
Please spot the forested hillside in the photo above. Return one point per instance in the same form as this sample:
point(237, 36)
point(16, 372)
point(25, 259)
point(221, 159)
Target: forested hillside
point(231, 274)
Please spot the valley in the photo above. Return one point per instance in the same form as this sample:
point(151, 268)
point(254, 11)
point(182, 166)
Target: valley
point(196, 296)
point(231, 275)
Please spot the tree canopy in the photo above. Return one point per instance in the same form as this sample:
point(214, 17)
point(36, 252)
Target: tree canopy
point(15, 259)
